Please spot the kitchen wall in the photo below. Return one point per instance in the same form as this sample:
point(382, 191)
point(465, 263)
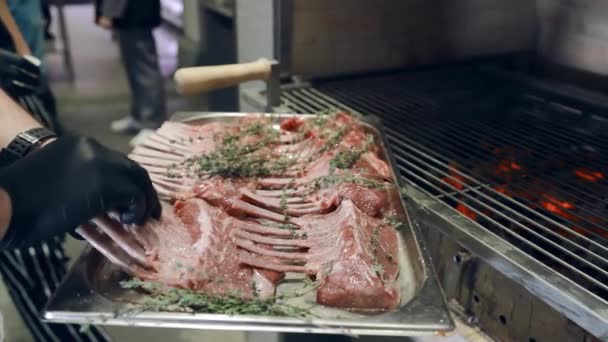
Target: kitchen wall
point(346, 36)
point(254, 25)
point(574, 33)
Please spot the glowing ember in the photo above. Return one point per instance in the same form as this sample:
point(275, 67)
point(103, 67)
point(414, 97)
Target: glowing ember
point(588, 175)
point(466, 211)
point(562, 204)
point(579, 230)
point(508, 166)
point(557, 206)
point(456, 180)
point(501, 188)
point(601, 232)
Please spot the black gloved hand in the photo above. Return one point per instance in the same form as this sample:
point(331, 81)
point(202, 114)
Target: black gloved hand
point(18, 76)
point(70, 181)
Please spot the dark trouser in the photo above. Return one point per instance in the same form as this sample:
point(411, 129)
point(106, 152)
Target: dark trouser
point(139, 55)
point(46, 15)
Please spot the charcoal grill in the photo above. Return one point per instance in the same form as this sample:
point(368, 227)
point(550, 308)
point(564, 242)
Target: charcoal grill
point(513, 170)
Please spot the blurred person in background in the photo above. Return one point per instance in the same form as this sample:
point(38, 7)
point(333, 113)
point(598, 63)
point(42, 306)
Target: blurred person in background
point(46, 14)
point(24, 34)
point(133, 22)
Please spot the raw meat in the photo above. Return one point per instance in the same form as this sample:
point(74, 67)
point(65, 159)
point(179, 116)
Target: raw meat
point(252, 202)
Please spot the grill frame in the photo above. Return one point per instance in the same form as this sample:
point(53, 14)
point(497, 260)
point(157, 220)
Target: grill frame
point(575, 302)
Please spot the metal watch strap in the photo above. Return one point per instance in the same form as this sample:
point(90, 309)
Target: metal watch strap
point(23, 143)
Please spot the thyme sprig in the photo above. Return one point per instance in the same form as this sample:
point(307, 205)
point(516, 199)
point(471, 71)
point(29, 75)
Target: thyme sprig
point(347, 177)
point(293, 229)
point(395, 223)
point(283, 203)
point(345, 159)
point(257, 128)
point(377, 267)
point(161, 298)
point(333, 139)
point(235, 159)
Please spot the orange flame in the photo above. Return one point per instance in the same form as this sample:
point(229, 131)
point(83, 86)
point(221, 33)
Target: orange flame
point(588, 175)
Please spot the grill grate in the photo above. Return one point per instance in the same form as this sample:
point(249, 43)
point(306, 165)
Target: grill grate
point(525, 166)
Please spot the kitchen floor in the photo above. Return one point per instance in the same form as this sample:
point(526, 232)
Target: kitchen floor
point(98, 95)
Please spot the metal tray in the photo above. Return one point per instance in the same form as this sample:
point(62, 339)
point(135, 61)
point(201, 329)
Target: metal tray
point(90, 293)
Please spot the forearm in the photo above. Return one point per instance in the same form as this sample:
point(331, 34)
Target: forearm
point(5, 212)
point(12, 28)
point(14, 119)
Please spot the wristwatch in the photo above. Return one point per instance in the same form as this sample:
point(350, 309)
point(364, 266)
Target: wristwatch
point(24, 143)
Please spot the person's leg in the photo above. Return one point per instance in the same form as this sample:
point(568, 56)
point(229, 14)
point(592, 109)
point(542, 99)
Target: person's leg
point(46, 15)
point(148, 81)
point(126, 42)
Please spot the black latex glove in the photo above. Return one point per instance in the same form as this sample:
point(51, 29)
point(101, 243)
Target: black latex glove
point(70, 181)
point(18, 76)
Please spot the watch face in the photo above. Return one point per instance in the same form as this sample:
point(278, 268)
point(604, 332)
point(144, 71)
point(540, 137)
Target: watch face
point(29, 138)
point(34, 61)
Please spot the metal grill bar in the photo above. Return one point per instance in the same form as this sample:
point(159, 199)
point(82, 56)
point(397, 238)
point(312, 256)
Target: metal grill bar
point(581, 255)
point(324, 104)
point(408, 159)
point(454, 138)
point(309, 98)
point(538, 106)
point(560, 187)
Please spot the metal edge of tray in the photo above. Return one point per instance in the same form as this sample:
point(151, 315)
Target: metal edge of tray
point(425, 313)
point(109, 315)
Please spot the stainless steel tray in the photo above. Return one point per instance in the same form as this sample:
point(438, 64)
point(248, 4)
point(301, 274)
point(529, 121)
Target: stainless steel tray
point(90, 293)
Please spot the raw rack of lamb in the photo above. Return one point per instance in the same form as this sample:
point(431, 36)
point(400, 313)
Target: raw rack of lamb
point(252, 200)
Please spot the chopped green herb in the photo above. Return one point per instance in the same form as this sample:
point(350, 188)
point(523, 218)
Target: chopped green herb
point(162, 298)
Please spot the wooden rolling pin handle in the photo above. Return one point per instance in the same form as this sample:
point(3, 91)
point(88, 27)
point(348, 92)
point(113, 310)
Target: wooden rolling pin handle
point(196, 80)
